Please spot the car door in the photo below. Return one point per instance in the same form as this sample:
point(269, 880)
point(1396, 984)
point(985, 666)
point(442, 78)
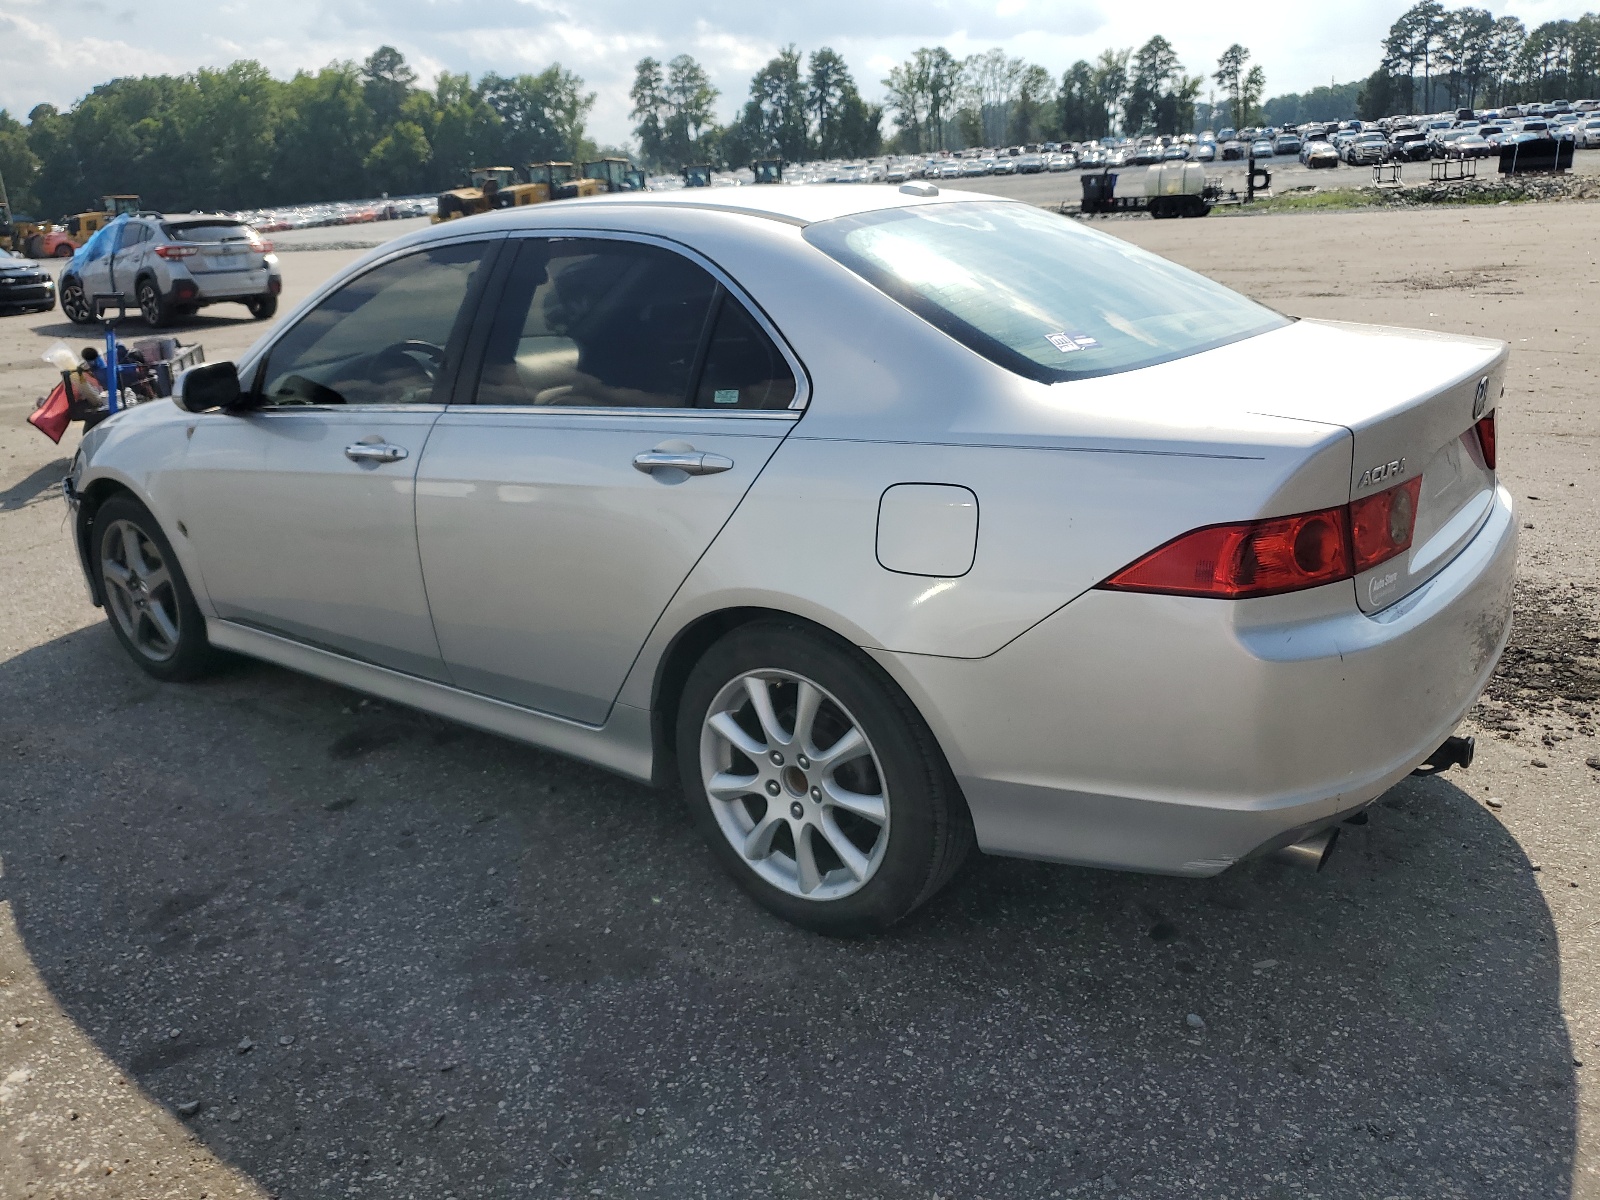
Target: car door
point(126, 259)
point(300, 510)
point(626, 400)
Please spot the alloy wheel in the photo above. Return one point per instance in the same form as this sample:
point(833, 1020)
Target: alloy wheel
point(139, 590)
point(150, 304)
point(794, 784)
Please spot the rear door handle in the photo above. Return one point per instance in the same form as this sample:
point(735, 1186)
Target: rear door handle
point(692, 462)
point(375, 452)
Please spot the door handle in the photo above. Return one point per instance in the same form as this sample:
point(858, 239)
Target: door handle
point(375, 452)
point(692, 462)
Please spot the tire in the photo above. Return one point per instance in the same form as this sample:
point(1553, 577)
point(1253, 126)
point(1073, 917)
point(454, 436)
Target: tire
point(262, 308)
point(147, 598)
point(64, 250)
point(865, 874)
point(153, 305)
point(74, 303)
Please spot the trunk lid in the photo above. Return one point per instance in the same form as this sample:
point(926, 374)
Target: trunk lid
point(1411, 401)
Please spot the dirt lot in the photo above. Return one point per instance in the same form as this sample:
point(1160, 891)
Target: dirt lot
point(261, 937)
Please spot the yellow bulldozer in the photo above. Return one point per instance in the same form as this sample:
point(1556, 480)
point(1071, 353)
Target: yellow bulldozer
point(614, 175)
point(62, 239)
point(485, 190)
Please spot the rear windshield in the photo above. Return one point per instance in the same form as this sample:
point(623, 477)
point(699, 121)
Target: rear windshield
point(1037, 293)
point(208, 231)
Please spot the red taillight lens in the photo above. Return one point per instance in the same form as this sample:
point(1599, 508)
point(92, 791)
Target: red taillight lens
point(1381, 526)
point(171, 251)
point(261, 246)
point(1485, 430)
point(1254, 558)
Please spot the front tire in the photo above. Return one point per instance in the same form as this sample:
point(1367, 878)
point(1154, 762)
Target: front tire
point(148, 600)
point(74, 303)
point(817, 785)
point(152, 304)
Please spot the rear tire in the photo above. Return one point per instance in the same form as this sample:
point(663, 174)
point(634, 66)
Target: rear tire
point(153, 305)
point(64, 251)
point(147, 598)
point(262, 308)
point(839, 845)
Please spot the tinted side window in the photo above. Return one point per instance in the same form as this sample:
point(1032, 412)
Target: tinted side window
point(743, 369)
point(596, 322)
point(383, 338)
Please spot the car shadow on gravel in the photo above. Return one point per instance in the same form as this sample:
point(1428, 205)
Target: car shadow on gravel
point(133, 328)
point(408, 958)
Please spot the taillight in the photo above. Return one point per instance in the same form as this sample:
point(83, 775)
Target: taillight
point(170, 251)
point(1253, 558)
point(1279, 554)
point(1381, 526)
point(261, 246)
point(1485, 430)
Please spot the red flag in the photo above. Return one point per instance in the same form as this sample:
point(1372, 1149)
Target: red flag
point(50, 418)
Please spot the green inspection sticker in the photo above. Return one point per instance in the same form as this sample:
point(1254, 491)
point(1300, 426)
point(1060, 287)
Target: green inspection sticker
point(725, 396)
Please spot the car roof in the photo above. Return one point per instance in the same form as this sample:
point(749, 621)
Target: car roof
point(799, 204)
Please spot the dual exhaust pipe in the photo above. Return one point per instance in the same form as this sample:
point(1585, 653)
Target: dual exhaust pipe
point(1313, 851)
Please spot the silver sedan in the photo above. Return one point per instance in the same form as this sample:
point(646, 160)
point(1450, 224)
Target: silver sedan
point(882, 521)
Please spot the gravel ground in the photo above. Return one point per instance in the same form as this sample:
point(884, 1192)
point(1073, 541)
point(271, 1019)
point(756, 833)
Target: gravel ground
point(260, 937)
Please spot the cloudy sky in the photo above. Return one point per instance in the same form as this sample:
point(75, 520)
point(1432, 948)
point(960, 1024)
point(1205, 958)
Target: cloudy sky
point(55, 50)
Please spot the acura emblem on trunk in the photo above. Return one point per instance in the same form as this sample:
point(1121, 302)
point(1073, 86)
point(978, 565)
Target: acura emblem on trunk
point(1377, 474)
point(1480, 399)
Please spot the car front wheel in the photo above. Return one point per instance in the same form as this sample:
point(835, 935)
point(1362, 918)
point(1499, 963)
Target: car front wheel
point(816, 783)
point(74, 303)
point(152, 610)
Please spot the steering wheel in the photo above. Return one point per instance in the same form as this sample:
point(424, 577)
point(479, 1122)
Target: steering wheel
point(397, 355)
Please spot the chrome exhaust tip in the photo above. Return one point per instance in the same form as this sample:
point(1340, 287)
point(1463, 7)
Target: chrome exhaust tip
point(1312, 852)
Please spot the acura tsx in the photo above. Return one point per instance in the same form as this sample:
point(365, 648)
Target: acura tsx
point(883, 522)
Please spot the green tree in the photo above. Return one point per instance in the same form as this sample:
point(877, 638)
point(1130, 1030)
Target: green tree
point(19, 165)
point(1111, 86)
point(387, 80)
point(1078, 111)
point(650, 110)
point(690, 98)
point(1030, 112)
point(1244, 87)
point(776, 116)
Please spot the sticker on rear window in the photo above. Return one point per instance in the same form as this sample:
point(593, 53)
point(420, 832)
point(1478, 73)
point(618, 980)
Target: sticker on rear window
point(725, 396)
point(1069, 343)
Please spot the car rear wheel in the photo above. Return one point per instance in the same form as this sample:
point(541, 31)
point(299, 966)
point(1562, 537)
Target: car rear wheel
point(65, 251)
point(817, 785)
point(152, 304)
point(74, 303)
point(148, 600)
point(262, 308)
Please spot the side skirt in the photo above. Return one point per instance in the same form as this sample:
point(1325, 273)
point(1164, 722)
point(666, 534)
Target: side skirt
point(622, 744)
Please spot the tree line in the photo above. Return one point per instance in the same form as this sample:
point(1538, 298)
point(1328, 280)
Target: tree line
point(236, 137)
point(795, 111)
point(1435, 58)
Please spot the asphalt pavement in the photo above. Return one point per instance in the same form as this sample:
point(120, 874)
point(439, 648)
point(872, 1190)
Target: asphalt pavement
point(262, 937)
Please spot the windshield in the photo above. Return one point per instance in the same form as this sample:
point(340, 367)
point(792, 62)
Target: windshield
point(1037, 293)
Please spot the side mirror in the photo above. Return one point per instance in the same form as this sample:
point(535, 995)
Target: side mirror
point(212, 385)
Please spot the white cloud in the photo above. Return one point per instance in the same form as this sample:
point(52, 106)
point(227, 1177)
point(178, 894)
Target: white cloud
point(56, 50)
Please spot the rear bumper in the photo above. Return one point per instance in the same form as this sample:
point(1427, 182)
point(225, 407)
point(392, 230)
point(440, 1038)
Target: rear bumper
point(233, 285)
point(1180, 735)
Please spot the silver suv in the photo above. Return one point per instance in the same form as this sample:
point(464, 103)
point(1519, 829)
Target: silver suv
point(170, 266)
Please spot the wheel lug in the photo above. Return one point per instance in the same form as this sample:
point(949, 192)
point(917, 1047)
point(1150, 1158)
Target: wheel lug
point(777, 759)
point(816, 794)
point(772, 787)
point(796, 811)
point(803, 762)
